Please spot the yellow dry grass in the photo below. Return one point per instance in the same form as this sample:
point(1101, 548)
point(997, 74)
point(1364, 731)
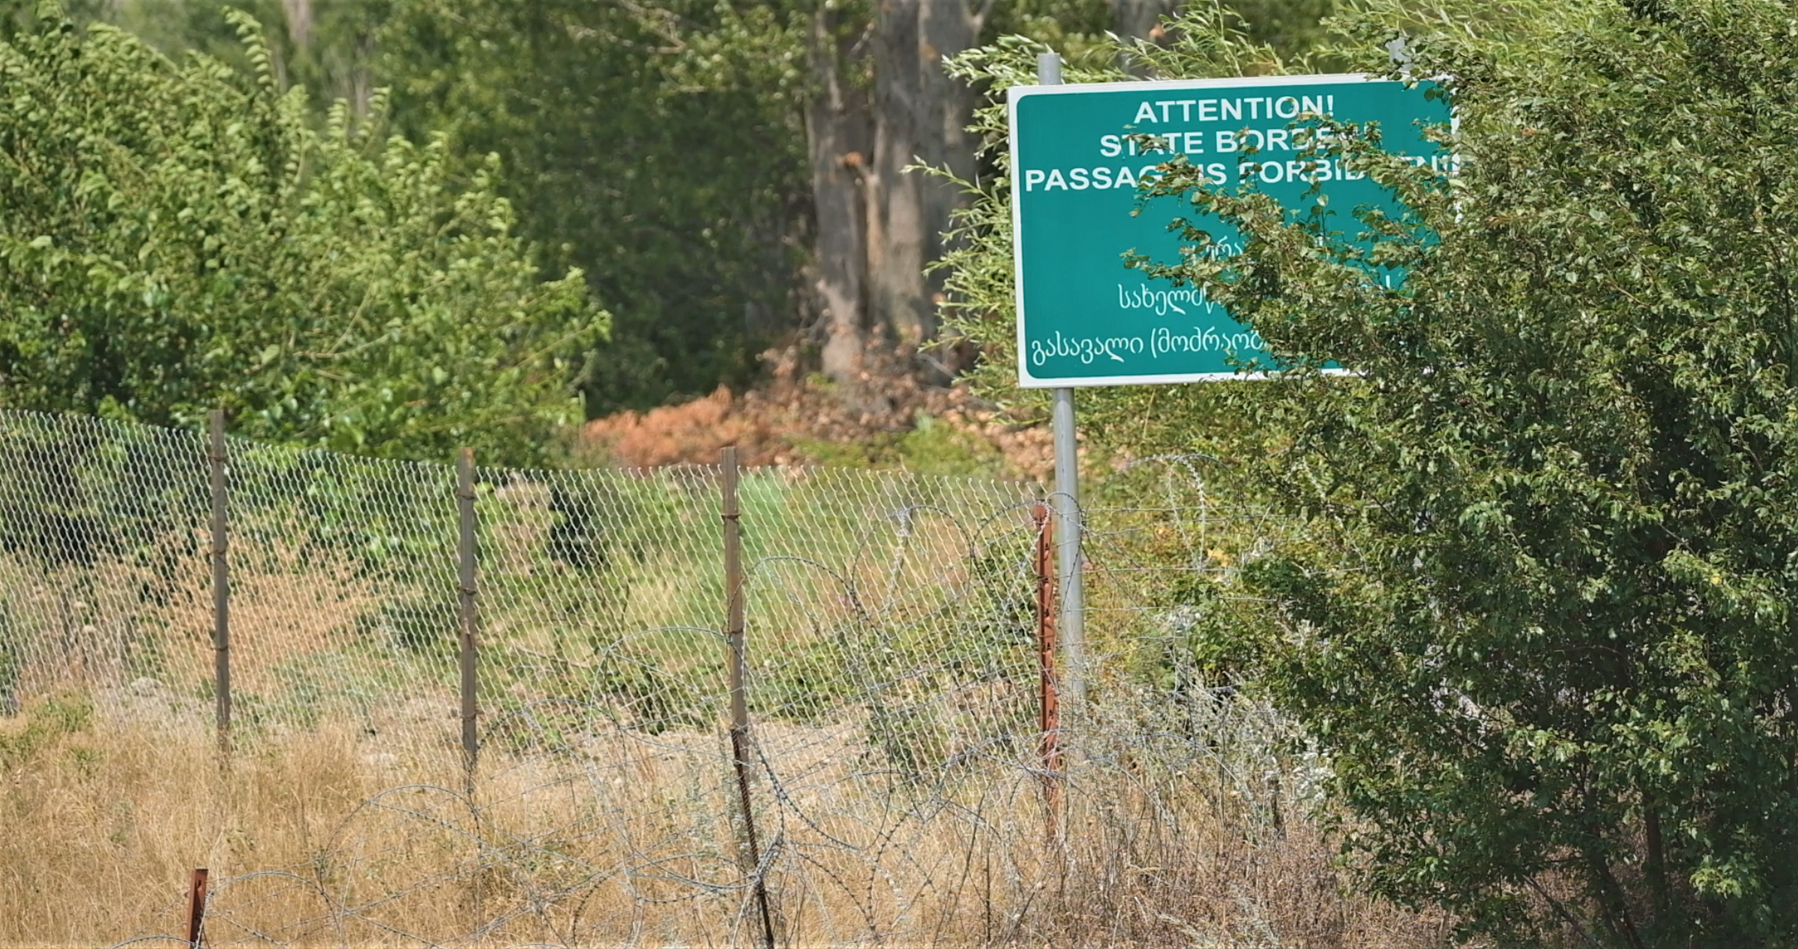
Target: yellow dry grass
point(321, 839)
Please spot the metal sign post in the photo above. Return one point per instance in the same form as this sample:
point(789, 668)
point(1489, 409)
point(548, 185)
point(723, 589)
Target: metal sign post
point(1067, 504)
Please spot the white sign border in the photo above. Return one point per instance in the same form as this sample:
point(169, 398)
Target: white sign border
point(1016, 94)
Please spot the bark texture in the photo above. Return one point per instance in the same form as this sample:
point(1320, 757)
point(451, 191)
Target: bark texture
point(1140, 20)
point(840, 135)
point(880, 224)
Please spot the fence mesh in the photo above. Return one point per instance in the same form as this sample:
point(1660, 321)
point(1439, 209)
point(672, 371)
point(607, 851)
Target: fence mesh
point(896, 786)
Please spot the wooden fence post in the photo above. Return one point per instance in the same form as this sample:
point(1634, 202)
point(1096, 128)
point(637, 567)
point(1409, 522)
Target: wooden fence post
point(469, 615)
point(221, 585)
point(739, 702)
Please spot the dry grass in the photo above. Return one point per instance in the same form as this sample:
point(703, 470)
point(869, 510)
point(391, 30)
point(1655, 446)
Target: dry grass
point(319, 839)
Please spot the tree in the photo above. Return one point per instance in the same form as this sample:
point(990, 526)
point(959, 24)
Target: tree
point(178, 238)
point(1544, 619)
point(326, 47)
point(710, 239)
point(1547, 631)
point(649, 144)
point(882, 104)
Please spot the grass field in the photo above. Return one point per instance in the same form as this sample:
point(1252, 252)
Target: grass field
point(325, 838)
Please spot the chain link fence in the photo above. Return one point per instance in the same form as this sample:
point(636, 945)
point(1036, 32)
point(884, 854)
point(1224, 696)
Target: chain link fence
point(893, 787)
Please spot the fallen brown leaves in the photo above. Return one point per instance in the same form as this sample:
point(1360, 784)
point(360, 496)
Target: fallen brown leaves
point(772, 423)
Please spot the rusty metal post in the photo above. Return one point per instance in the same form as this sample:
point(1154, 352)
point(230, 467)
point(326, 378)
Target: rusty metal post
point(739, 701)
point(221, 585)
point(469, 615)
point(1048, 698)
point(196, 908)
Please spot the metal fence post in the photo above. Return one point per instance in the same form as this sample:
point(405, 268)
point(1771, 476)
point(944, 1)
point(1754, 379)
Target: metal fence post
point(221, 584)
point(196, 908)
point(739, 702)
point(469, 617)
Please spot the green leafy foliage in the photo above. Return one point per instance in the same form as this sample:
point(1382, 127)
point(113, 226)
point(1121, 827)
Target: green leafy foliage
point(659, 146)
point(179, 237)
point(656, 146)
point(932, 447)
point(1540, 615)
point(327, 47)
point(1545, 629)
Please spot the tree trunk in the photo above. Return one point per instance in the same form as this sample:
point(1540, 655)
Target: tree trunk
point(299, 22)
point(920, 116)
point(948, 28)
point(839, 132)
point(897, 230)
point(1140, 20)
point(914, 114)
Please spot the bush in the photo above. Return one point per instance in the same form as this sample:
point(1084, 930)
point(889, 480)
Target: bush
point(181, 237)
